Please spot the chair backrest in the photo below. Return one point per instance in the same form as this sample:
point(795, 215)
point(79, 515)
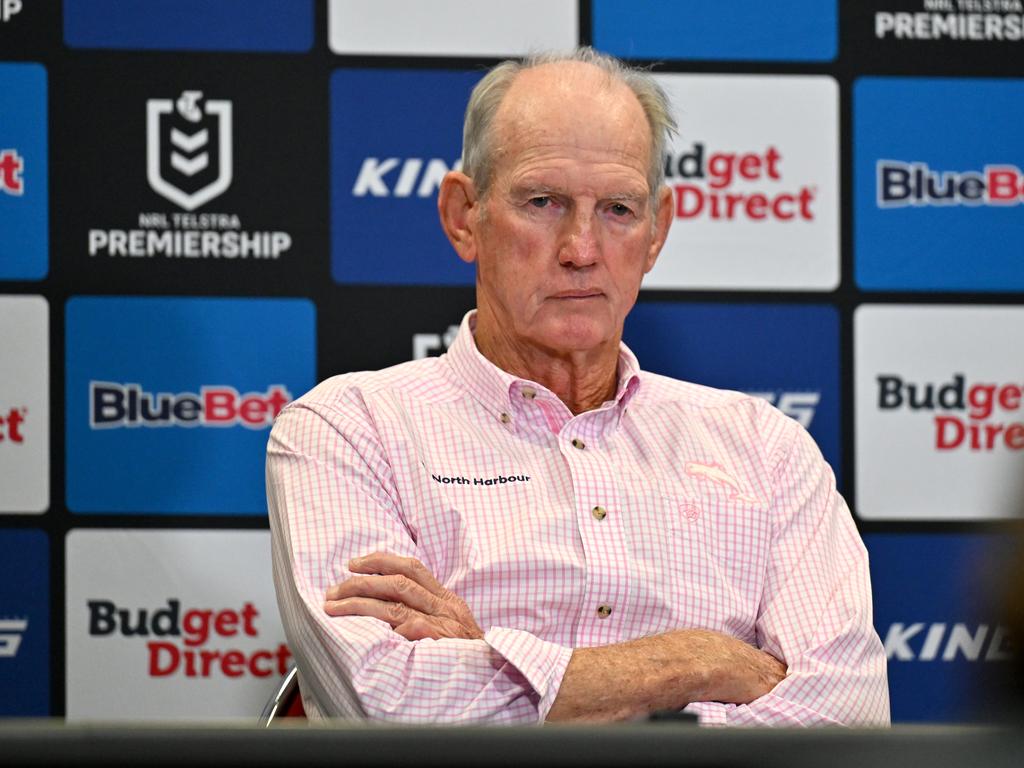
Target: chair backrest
point(285, 702)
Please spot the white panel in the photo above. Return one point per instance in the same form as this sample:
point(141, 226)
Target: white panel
point(910, 463)
point(787, 128)
point(116, 676)
point(24, 404)
point(451, 27)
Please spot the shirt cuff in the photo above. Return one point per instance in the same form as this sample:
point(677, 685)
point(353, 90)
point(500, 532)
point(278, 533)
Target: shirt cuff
point(710, 712)
point(541, 662)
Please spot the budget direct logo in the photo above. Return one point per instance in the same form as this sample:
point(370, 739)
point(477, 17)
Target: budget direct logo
point(24, 623)
point(708, 186)
point(937, 174)
point(24, 405)
point(965, 416)
point(24, 173)
point(756, 188)
point(182, 432)
point(186, 620)
point(388, 158)
point(938, 415)
point(190, 642)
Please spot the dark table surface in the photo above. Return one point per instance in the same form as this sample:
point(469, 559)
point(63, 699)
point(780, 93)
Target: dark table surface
point(640, 744)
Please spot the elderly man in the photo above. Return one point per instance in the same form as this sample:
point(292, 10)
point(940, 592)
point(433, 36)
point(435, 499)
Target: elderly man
point(530, 528)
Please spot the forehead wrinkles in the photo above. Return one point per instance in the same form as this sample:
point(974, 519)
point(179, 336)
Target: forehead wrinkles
point(575, 107)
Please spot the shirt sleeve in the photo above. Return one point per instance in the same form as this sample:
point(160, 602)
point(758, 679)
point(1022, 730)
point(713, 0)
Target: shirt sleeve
point(815, 612)
point(331, 497)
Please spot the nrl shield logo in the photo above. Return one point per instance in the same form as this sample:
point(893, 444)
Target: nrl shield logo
point(188, 148)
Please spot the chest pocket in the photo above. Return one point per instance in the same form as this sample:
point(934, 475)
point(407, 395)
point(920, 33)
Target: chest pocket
point(708, 546)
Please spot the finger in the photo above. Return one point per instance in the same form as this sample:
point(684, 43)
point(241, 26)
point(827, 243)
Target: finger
point(396, 589)
point(393, 613)
point(418, 628)
point(388, 564)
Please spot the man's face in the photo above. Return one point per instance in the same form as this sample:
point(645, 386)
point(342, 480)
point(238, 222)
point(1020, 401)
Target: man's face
point(566, 232)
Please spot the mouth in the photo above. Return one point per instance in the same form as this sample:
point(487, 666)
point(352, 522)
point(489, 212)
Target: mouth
point(578, 293)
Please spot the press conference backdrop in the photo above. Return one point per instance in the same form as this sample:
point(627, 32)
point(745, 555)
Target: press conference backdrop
point(206, 206)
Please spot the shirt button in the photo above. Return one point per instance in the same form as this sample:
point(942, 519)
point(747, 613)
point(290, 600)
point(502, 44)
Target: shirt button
point(599, 513)
point(528, 392)
point(505, 419)
point(604, 611)
point(577, 443)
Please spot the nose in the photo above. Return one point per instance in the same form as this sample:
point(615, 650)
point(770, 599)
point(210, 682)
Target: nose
point(579, 246)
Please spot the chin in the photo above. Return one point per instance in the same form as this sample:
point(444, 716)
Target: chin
point(576, 334)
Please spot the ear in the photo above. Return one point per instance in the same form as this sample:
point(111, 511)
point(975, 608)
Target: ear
point(457, 206)
point(662, 222)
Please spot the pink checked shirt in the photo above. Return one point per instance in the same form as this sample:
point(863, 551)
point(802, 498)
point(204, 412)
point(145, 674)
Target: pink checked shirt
point(671, 506)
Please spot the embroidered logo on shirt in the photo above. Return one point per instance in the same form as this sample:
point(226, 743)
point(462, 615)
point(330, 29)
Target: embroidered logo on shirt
point(499, 480)
point(716, 474)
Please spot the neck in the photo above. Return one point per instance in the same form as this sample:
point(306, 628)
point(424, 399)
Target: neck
point(582, 379)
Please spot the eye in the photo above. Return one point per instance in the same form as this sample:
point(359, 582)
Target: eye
point(540, 202)
point(619, 209)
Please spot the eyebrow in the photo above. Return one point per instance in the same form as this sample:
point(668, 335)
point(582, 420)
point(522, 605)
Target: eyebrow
point(534, 190)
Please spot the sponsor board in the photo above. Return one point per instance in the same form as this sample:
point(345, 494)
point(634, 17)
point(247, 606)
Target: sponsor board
point(939, 411)
point(170, 400)
point(786, 354)
point(937, 610)
point(190, 25)
point(937, 174)
point(755, 182)
point(24, 404)
point(185, 622)
point(24, 175)
point(199, 184)
point(451, 27)
point(24, 624)
point(783, 30)
point(385, 173)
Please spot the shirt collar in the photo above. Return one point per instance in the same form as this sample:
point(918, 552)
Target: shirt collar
point(495, 388)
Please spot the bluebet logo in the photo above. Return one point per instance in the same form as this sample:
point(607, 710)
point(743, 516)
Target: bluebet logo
point(916, 184)
point(182, 432)
point(937, 173)
point(129, 405)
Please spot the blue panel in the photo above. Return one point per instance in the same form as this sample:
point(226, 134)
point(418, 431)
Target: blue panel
point(24, 624)
point(24, 178)
point(393, 134)
point(908, 127)
point(192, 464)
point(182, 25)
point(781, 30)
point(775, 350)
point(932, 592)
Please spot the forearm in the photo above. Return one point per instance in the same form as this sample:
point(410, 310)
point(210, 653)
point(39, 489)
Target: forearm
point(667, 671)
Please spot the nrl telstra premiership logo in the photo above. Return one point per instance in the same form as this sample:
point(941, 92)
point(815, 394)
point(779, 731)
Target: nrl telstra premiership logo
point(188, 148)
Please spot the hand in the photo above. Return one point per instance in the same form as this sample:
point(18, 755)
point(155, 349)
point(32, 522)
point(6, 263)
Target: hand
point(405, 594)
point(735, 672)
